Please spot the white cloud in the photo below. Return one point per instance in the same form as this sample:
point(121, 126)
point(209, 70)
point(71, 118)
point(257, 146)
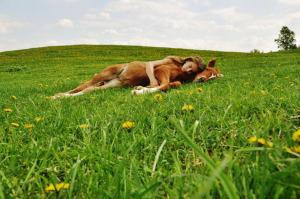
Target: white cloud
point(290, 2)
point(294, 16)
point(231, 14)
point(65, 23)
point(7, 25)
point(165, 24)
point(52, 42)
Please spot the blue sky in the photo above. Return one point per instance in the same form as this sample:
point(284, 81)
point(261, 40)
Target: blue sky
point(231, 25)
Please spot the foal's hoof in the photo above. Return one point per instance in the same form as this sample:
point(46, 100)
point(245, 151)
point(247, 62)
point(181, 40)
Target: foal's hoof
point(138, 88)
point(57, 95)
point(138, 91)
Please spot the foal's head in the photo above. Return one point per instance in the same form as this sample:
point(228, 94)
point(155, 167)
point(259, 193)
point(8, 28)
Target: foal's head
point(210, 72)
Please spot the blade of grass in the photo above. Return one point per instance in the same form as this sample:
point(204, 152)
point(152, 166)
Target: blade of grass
point(76, 165)
point(157, 157)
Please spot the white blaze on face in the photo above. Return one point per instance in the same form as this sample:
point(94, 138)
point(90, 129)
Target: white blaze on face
point(212, 76)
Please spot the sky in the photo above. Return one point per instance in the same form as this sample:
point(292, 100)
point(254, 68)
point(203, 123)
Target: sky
point(231, 25)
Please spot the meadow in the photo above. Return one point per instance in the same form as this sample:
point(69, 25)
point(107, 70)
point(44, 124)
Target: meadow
point(232, 137)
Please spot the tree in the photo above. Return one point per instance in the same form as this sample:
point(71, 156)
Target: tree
point(286, 39)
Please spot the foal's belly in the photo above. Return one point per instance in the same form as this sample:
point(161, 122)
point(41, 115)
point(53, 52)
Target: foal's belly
point(134, 74)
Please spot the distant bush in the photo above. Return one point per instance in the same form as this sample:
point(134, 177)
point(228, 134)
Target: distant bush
point(12, 69)
point(256, 51)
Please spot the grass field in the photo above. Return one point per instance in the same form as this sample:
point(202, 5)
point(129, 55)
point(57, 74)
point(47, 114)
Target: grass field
point(169, 152)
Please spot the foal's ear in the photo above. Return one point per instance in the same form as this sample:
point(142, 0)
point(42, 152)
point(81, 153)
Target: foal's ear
point(212, 63)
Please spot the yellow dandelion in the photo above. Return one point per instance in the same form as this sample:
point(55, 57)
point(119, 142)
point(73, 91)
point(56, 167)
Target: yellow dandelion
point(252, 139)
point(39, 119)
point(264, 93)
point(269, 144)
point(199, 90)
point(128, 125)
point(28, 126)
point(187, 107)
point(158, 97)
point(14, 124)
point(57, 187)
point(261, 141)
point(7, 110)
point(13, 97)
point(295, 149)
point(296, 135)
point(84, 126)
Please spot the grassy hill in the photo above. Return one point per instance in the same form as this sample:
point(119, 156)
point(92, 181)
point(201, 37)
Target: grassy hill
point(169, 153)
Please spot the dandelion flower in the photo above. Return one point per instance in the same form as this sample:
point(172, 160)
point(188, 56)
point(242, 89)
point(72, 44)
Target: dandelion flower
point(128, 125)
point(57, 187)
point(7, 110)
point(252, 139)
point(296, 135)
point(28, 126)
point(264, 93)
point(84, 126)
point(158, 97)
point(269, 144)
point(295, 149)
point(13, 124)
point(39, 119)
point(187, 107)
point(199, 90)
point(261, 141)
point(13, 97)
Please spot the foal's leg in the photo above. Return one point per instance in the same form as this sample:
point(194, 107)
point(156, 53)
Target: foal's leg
point(98, 80)
point(111, 84)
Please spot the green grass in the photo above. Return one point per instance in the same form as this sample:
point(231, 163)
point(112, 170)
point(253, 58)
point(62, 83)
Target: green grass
point(169, 153)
